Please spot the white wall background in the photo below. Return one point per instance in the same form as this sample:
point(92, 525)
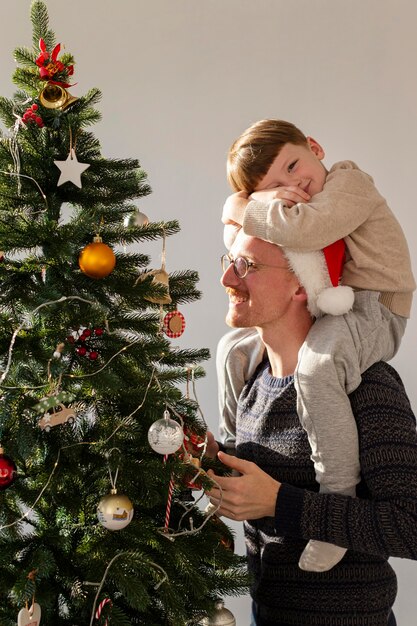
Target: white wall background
point(182, 78)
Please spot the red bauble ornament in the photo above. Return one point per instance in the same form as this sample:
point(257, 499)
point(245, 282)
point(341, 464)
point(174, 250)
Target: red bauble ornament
point(93, 355)
point(7, 470)
point(98, 332)
point(82, 350)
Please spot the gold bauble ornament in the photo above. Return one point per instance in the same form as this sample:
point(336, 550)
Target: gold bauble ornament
point(97, 259)
point(115, 511)
point(220, 617)
point(55, 97)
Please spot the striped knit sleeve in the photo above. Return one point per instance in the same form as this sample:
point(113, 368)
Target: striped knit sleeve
point(382, 519)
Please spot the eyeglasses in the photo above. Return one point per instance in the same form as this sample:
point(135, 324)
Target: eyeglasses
point(241, 265)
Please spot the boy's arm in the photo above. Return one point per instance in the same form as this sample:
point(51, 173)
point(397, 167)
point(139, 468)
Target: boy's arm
point(235, 205)
point(347, 200)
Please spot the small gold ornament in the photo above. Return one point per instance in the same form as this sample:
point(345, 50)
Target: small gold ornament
point(115, 511)
point(97, 259)
point(160, 278)
point(56, 97)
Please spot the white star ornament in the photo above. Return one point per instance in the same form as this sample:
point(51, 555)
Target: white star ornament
point(71, 170)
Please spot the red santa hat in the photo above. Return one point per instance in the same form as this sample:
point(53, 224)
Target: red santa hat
point(320, 273)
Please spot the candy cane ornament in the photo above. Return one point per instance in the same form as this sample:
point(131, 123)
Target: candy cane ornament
point(169, 501)
point(100, 609)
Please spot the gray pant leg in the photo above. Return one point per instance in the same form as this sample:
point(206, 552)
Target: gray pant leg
point(337, 350)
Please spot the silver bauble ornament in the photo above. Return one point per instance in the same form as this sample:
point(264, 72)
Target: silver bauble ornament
point(115, 511)
point(137, 218)
point(220, 617)
point(165, 436)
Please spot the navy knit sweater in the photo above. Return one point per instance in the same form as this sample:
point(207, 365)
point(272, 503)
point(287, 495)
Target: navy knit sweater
point(380, 522)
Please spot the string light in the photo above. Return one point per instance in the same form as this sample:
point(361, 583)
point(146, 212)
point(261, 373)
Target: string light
point(124, 422)
point(22, 325)
point(44, 198)
point(117, 556)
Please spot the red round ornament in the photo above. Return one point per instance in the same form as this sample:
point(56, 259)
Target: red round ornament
point(174, 324)
point(93, 355)
point(8, 470)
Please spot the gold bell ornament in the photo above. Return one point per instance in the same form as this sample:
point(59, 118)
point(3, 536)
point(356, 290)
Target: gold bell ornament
point(160, 278)
point(56, 97)
point(220, 617)
point(97, 259)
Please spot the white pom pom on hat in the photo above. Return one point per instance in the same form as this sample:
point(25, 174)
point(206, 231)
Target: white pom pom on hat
point(320, 273)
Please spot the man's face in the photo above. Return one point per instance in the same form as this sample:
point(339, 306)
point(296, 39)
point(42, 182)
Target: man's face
point(264, 296)
point(298, 166)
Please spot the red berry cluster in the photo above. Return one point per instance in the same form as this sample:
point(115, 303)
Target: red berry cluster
point(81, 341)
point(30, 116)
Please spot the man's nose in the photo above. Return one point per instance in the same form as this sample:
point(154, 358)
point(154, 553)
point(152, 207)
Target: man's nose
point(229, 277)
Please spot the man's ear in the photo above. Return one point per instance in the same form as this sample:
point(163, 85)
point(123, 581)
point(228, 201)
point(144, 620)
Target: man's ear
point(316, 148)
point(300, 294)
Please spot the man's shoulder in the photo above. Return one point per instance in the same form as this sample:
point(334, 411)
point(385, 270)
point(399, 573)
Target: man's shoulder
point(382, 371)
point(381, 386)
point(239, 339)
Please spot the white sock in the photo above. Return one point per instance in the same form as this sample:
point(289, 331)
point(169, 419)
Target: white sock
point(320, 556)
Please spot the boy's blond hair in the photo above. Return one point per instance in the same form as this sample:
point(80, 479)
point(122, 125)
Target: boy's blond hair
point(253, 153)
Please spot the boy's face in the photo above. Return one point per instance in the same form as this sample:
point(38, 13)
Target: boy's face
point(297, 166)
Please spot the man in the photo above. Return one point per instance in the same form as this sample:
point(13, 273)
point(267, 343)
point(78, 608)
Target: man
point(276, 492)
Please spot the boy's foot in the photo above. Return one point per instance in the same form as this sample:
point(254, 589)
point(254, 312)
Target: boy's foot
point(319, 556)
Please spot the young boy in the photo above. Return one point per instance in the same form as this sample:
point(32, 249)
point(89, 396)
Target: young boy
point(285, 195)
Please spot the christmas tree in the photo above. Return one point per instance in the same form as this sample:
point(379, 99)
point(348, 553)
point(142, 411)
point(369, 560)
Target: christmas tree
point(102, 441)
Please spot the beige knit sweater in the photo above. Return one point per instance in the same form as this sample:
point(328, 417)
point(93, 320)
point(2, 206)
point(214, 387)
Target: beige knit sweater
point(349, 207)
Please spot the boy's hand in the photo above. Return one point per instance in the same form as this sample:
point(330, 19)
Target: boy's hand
point(229, 234)
point(290, 195)
point(234, 208)
point(250, 496)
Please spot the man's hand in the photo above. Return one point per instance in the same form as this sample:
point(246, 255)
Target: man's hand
point(212, 446)
point(234, 208)
point(290, 195)
point(249, 496)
